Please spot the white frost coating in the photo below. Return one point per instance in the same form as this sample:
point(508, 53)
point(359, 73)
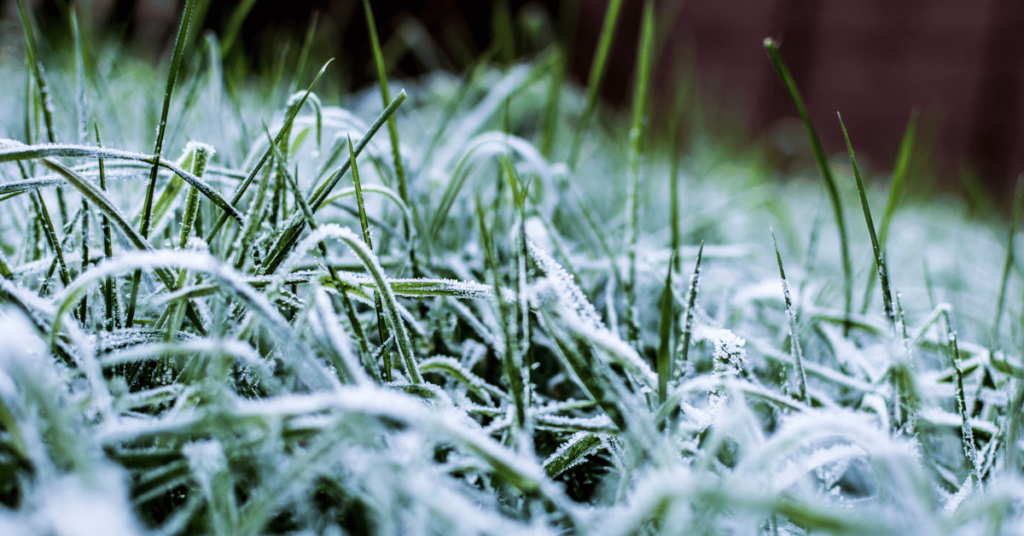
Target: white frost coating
point(602, 338)
point(954, 500)
point(564, 286)
point(194, 145)
point(792, 469)
point(396, 405)
point(538, 233)
point(730, 354)
point(77, 506)
point(205, 458)
point(310, 370)
point(564, 447)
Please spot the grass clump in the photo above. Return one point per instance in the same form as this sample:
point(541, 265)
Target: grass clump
point(241, 341)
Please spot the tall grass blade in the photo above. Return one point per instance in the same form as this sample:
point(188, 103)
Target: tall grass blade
point(597, 68)
point(899, 176)
point(290, 236)
point(883, 273)
point(666, 335)
point(636, 143)
point(281, 135)
point(364, 226)
point(172, 78)
point(1018, 199)
point(794, 341)
point(691, 302)
point(826, 172)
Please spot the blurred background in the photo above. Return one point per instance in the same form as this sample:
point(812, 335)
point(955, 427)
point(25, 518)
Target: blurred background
point(957, 64)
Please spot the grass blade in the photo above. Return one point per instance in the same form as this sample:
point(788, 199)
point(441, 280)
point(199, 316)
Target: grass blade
point(666, 335)
point(611, 18)
point(899, 176)
point(826, 173)
point(636, 142)
point(385, 93)
point(281, 135)
point(290, 236)
point(172, 78)
point(1018, 198)
point(691, 302)
point(883, 273)
point(794, 340)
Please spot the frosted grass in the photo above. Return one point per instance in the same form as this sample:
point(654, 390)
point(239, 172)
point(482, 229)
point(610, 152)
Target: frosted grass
point(248, 394)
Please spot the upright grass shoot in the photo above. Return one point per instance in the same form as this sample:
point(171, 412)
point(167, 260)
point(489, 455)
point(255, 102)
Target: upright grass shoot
point(823, 168)
point(883, 273)
point(636, 143)
point(597, 68)
point(794, 339)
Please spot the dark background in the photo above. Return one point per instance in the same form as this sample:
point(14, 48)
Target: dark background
point(958, 62)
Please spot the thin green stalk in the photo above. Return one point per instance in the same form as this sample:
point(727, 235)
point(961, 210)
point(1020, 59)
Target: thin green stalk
point(110, 304)
point(826, 172)
point(281, 135)
point(967, 434)
point(307, 45)
point(691, 302)
point(1018, 198)
point(382, 330)
point(290, 236)
point(899, 176)
point(511, 362)
point(234, 25)
point(147, 207)
point(794, 341)
point(636, 139)
point(883, 273)
point(666, 336)
point(597, 68)
point(385, 93)
point(44, 94)
point(172, 77)
point(199, 161)
point(554, 96)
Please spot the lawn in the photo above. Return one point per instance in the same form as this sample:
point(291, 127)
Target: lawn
point(476, 304)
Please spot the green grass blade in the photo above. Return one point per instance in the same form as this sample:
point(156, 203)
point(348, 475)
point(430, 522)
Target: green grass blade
point(691, 302)
point(111, 309)
point(636, 143)
point(967, 434)
point(794, 340)
point(597, 69)
point(1018, 198)
point(883, 273)
point(554, 97)
point(899, 176)
point(385, 93)
point(665, 335)
point(504, 32)
point(571, 453)
point(80, 102)
point(359, 195)
point(172, 78)
point(281, 135)
point(234, 25)
point(511, 362)
point(290, 236)
point(364, 226)
point(51, 235)
point(822, 161)
point(199, 160)
point(11, 151)
point(307, 45)
point(37, 71)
